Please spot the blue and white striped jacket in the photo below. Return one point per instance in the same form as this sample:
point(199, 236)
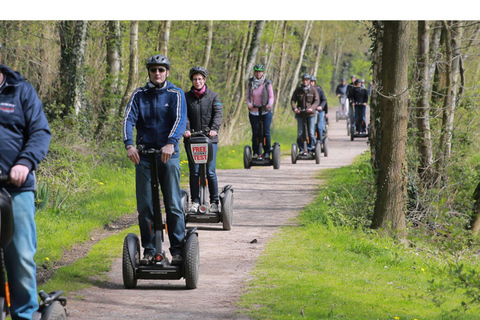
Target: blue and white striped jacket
point(159, 115)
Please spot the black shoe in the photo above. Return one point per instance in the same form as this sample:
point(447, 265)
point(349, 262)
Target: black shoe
point(177, 260)
point(146, 260)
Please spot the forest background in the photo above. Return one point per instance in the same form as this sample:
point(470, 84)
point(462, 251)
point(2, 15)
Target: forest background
point(84, 72)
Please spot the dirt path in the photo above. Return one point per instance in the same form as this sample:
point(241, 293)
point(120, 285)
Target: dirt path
point(265, 200)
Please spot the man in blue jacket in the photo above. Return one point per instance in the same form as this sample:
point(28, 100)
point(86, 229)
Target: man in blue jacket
point(159, 113)
point(24, 140)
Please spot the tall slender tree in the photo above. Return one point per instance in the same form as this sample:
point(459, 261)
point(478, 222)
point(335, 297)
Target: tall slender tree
point(390, 204)
point(133, 66)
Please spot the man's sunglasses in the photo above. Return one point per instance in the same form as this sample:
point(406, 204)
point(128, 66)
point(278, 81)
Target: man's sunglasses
point(154, 70)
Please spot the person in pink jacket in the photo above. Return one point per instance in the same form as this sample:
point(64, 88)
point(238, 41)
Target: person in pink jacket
point(260, 93)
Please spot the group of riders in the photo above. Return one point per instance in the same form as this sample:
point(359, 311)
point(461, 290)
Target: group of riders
point(356, 96)
point(162, 115)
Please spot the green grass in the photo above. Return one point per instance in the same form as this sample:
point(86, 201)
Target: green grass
point(328, 268)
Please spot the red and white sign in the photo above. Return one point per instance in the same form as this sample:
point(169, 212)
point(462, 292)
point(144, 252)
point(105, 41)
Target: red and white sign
point(199, 152)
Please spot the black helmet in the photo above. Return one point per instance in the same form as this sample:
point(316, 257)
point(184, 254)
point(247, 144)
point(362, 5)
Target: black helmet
point(358, 81)
point(306, 76)
point(158, 59)
point(195, 70)
point(259, 67)
point(353, 76)
point(312, 78)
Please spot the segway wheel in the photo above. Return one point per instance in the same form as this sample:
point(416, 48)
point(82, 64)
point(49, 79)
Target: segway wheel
point(276, 157)
point(348, 126)
point(55, 311)
point(128, 267)
point(227, 210)
point(336, 116)
point(325, 146)
point(294, 153)
point(191, 261)
point(352, 132)
point(247, 157)
point(318, 152)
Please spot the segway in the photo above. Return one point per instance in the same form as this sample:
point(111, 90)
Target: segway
point(306, 155)
point(160, 268)
point(353, 133)
point(52, 305)
point(324, 142)
point(199, 151)
point(340, 115)
point(260, 160)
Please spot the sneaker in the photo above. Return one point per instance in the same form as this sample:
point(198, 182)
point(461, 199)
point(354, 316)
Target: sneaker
point(266, 155)
point(255, 156)
point(194, 207)
point(177, 259)
point(146, 260)
point(214, 207)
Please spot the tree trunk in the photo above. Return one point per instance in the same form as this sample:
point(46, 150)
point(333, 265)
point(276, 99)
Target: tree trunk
point(337, 55)
point(374, 109)
point(389, 212)
point(454, 32)
point(319, 55)
point(110, 97)
point(208, 44)
point(424, 143)
point(252, 53)
point(133, 68)
point(281, 74)
point(78, 99)
point(164, 37)
point(306, 35)
point(475, 221)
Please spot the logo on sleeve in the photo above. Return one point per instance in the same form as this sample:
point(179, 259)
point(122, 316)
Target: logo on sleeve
point(7, 107)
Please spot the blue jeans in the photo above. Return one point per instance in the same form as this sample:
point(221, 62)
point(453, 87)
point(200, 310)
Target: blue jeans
point(267, 122)
point(320, 124)
point(19, 253)
point(311, 132)
point(360, 120)
point(169, 179)
point(211, 177)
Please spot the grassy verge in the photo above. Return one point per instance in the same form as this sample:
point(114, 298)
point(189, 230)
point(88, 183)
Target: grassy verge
point(330, 268)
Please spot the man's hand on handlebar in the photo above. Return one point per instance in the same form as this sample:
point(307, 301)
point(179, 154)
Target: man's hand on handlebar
point(212, 133)
point(18, 174)
point(187, 134)
point(167, 152)
point(132, 154)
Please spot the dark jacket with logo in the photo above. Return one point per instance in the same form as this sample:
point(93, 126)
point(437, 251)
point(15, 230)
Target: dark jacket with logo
point(24, 131)
point(359, 95)
point(159, 114)
point(303, 100)
point(204, 112)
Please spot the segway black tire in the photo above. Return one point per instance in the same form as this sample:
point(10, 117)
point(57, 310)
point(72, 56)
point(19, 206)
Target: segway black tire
point(192, 260)
point(325, 146)
point(247, 157)
point(276, 157)
point(227, 210)
point(55, 311)
point(185, 201)
point(318, 152)
point(128, 269)
point(294, 152)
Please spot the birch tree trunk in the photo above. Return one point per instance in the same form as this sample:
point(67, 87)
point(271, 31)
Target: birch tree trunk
point(319, 54)
point(79, 99)
point(306, 35)
point(133, 66)
point(252, 53)
point(454, 32)
point(164, 37)
point(208, 44)
point(424, 143)
point(391, 199)
point(281, 72)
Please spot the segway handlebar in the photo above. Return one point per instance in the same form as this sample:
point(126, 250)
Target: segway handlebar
point(200, 133)
point(4, 178)
point(141, 149)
